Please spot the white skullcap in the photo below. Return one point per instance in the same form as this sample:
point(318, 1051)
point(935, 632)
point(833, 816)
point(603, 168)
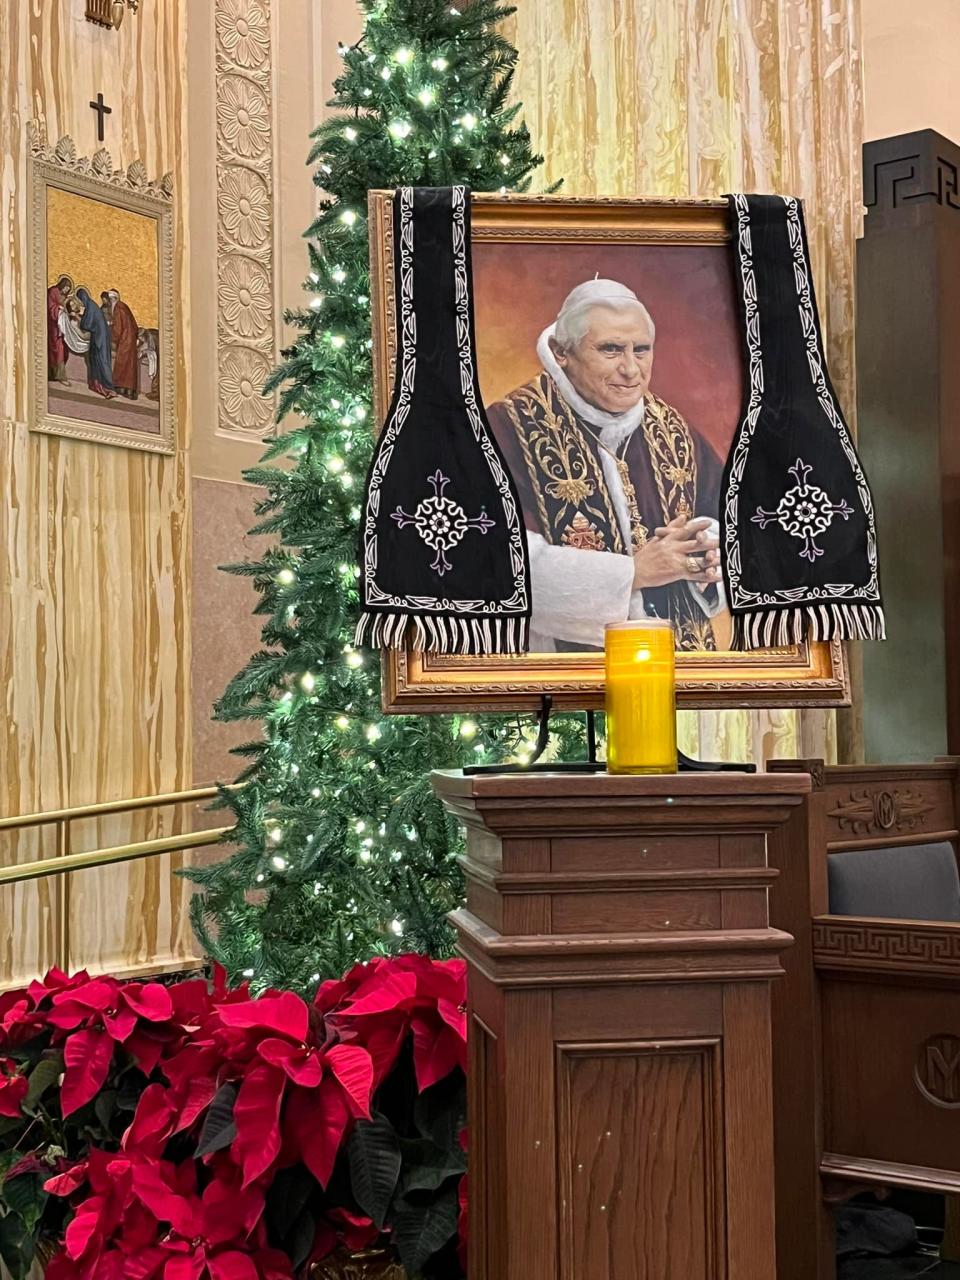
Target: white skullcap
point(594, 291)
point(572, 320)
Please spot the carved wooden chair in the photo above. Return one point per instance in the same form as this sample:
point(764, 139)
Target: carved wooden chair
point(866, 1021)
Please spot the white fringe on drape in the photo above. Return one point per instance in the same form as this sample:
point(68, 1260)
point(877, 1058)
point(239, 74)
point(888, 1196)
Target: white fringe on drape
point(443, 634)
point(775, 628)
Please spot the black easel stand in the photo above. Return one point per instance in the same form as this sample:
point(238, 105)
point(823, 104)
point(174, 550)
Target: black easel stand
point(591, 765)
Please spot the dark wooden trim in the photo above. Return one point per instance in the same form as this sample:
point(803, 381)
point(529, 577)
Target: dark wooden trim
point(888, 947)
point(888, 1173)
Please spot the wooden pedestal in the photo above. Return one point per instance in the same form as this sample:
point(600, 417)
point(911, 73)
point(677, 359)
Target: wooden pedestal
point(620, 961)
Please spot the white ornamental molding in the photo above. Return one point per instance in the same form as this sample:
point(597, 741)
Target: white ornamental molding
point(246, 306)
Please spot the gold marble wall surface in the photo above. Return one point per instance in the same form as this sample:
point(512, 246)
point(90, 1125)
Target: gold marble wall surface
point(700, 97)
point(94, 541)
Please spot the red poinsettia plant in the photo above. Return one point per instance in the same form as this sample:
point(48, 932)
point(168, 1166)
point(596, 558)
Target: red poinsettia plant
point(192, 1131)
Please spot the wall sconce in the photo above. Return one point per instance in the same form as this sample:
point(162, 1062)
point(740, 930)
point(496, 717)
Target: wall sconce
point(110, 13)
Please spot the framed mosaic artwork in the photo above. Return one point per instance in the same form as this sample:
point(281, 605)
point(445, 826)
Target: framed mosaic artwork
point(102, 300)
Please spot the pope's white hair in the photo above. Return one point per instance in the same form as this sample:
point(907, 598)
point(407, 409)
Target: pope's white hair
point(573, 320)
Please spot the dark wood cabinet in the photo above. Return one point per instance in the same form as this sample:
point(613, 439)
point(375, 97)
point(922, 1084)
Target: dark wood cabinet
point(866, 1019)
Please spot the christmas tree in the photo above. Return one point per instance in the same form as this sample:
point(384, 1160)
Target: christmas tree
point(341, 850)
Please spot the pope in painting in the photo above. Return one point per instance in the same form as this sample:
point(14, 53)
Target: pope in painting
point(620, 493)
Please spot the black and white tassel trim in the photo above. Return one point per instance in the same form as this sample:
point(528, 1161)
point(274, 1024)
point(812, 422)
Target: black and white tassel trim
point(777, 628)
point(443, 634)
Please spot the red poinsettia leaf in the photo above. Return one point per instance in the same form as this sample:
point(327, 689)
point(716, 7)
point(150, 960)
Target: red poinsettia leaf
point(145, 1264)
point(188, 1266)
point(64, 1184)
point(219, 979)
point(193, 1097)
point(13, 1089)
point(152, 1122)
point(257, 1117)
point(455, 1016)
point(30, 1163)
point(380, 994)
point(120, 1024)
point(383, 1040)
point(97, 994)
point(190, 999)
point(145, 1048)
point(273, 1265)
point(319, 1118)
point(151, 1182)
point(81, 1230)
point(229, 1212)
point(301, 1065)
point(150, 1000)
point(68, 1015)
point(232, 1265)
point(353, 1068)
point(87, 1056)
point(14, 1008)
point(357, 1230)
point(186, 1063)
point(436, 1051)
point(140, 1230)
point(56, 980)
point(439, 979)
point(60, 1267)
point(53, 978)
point(285, 1014)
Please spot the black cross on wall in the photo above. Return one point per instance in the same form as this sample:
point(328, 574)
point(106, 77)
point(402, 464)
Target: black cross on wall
point(102, 110)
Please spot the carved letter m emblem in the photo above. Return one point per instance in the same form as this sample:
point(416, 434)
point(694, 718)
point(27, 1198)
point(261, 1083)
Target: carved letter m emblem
point(937, 1071)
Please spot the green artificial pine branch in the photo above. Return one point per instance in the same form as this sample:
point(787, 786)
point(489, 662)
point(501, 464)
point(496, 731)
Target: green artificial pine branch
point(340, 851)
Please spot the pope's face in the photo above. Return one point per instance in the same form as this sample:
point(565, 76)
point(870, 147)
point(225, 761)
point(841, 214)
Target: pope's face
point(611, 365)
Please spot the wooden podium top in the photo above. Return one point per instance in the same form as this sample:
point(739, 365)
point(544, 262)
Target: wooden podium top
point(550, 804)
point(453, 783)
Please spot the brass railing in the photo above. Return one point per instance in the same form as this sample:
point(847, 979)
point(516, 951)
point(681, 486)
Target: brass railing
point(66, 860)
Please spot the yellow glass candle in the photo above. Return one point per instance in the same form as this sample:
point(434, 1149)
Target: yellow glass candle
point(641, 697)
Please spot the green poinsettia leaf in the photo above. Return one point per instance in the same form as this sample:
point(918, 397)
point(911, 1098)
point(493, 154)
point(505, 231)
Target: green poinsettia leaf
point(440, 1112)
point(17, 1246)
point(373, 1154)
point(299, 1243)
point(25, 1197)
point(420, 1231)
point(426, 1167)
point(287, 1199)
point(44, 1075)
point(219, 1128)
point(105, 1106)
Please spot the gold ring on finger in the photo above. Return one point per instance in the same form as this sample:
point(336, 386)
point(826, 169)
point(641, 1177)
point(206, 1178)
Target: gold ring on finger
point(693, 565)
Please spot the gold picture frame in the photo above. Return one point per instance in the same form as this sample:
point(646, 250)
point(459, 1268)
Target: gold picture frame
point(117, 226)
point(808, 675)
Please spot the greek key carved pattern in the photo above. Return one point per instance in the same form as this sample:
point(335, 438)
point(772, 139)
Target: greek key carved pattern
point(246, 311)
point(885, 810)
point(883, 945)
point(914, 178)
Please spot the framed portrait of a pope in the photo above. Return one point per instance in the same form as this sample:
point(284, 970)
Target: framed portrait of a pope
point(611, 372)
